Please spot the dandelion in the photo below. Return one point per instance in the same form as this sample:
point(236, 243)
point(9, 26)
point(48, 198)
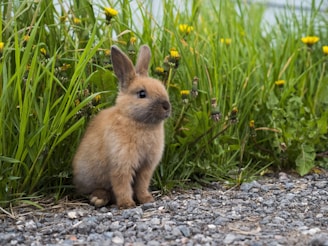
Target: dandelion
point(44, 52)
point(2, 45)
point(107, 52)
point(63, 18)
point(325, 49)
point(159, 70)
point(174, 57)
point(26, 38)
point(226, 41)
point(76, 21)
point(252, 124)
point(252, 127)
point(133, 40)
point(184, 95)
point(131, 47)
point(280, 82)
point(215, 113)
point(96, 100)
point(110, 13)
point(233, 115)
point(185, 29)
point(310, 40)
point(174, 53)
point(65, 67)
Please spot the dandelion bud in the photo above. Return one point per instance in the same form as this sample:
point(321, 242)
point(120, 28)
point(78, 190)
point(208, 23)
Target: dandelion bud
point(194, 90)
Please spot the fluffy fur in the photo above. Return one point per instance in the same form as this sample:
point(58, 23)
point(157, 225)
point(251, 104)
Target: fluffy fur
point(123, 144)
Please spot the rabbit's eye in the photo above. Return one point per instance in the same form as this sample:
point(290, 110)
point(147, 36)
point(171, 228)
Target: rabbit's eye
point(142, 94)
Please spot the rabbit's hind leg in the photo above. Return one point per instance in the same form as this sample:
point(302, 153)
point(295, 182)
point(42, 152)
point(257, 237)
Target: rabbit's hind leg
point(99, 197)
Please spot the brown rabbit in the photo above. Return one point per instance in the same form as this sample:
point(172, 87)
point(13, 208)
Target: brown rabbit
point(124, 143)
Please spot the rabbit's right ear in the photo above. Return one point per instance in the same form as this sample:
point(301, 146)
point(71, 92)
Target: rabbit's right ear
point(143, 60)
point(123, 67)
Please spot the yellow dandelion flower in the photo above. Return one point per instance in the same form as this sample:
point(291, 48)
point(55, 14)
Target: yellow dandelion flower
point(174, 53)
point(76, 21)
point(325, 49)
point(107, 52)
point(159, 70)
point(310, 40)
point(97, 98)
point(2, 44)
point(26, 38)
point(62, 18)
point(185, 29)
point(184, 95)
point(133, 40)
point(43, 51)
point(280, 82)
point(110, 11)
point(65, 67)
point(185, 92)
point(226, 41)
point(252, 124)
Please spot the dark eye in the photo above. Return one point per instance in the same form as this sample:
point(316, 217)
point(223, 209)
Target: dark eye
point(142, 94)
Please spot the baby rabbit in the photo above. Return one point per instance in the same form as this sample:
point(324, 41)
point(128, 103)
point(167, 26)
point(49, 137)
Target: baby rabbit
point(123, 144)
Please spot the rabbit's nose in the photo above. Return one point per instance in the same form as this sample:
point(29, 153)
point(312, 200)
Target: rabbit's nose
point(166, 105)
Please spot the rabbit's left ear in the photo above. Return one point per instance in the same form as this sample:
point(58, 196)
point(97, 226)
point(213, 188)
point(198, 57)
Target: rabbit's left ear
point(143, 61)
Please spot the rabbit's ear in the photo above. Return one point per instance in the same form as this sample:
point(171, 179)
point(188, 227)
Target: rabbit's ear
point(143, 60)
point(123, 67)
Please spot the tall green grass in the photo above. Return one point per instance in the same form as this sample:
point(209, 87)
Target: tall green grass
point(230, 119)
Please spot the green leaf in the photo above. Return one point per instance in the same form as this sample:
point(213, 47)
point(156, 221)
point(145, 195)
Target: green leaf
point(305, 160)
point(9, 160)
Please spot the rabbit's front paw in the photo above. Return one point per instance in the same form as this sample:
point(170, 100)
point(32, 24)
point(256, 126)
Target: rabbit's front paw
point(145, 198)
point(99, 198)
point(126, 204)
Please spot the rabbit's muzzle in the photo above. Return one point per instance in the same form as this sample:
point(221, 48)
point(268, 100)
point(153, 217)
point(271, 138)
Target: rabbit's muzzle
point(155, 112)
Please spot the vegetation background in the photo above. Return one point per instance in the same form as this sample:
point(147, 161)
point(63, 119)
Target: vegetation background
point(246, 100)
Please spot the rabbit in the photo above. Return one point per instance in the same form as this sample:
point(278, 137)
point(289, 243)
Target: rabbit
point(123, 144)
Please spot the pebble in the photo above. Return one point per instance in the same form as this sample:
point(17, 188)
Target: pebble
point(272, 211)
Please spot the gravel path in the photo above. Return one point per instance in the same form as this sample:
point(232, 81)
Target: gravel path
point(271, 211)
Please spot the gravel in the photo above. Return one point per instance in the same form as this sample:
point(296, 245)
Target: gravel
point(284, 210)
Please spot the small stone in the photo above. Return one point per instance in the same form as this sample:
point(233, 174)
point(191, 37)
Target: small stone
point(148, 205)
point(153, 243)
point(30, 225)
point(117, 240)
point(155, 221)
point(176, 232)
point(230, 238)
point(133, 212)
point(72, 214)
point(311, 231)
point(184, 230)
point(283, 176)
point(103, 210)
point(289, 185)
point(211, 227)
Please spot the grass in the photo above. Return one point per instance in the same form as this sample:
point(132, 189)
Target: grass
point(245, 97)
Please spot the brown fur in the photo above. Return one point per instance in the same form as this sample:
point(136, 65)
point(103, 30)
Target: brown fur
point(123, 144)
